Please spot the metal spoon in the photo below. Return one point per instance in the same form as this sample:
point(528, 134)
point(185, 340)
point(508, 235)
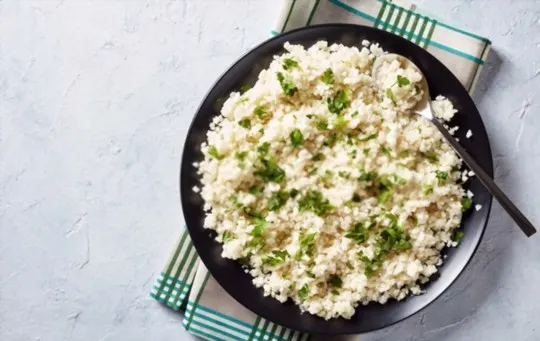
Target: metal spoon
point(423, 108)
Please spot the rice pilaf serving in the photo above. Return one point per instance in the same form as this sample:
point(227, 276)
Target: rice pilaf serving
point(324, 184)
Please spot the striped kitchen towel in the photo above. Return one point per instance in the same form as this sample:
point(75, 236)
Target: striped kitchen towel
point(185, 283)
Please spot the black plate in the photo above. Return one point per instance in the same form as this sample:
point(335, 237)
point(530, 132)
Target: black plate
point(229, 273)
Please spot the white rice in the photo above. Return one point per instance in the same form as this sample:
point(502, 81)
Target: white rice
point(305, 246)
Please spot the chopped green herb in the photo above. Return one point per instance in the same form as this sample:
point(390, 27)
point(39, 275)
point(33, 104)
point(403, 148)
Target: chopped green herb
point(403, 153)
point(385, 190)
point(315, 202)
point(310, 116)
point(356, 197)
point(303, 292)
point(263, 148)
point(328, 76)
point(213, 152)
point(367, 176)
point(339, 102)
point(402, 81)
point(260, 112)
point(270, 171)
point(318, 157)
point(349, 265)
point(245, 123)
point(344, 175)
point(297, 139)
point(234, 201)
point(289, 63)
point(227, 236)
point(354, 114)
point(310, 274)
point(335, 281)
point(393, 237)
point(358, 233)
point(369, 137)
point(428, 189)
point(245, 88)
point(400, 180)
point(242, 100)
point(366, 151)
point(277, 200)
point(341, 122)
point(417, 89)
point(385, 150)
point(442, 176)
point(241, 155)
point(390, 94)
point(370, 266)
point(307, 243)
point(466, 204)
point(384, 195)
point(334, 292)
point(294, 192)
point(254, 189)
point(331, 140)
point(277, 257)
point(457, 235)
point(431, 156)
point(322, 125)
point(289, 89)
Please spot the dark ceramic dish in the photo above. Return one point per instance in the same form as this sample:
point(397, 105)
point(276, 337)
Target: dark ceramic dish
point(230, 275)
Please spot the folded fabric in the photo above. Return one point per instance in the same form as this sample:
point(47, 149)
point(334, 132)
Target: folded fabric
point(185, 283)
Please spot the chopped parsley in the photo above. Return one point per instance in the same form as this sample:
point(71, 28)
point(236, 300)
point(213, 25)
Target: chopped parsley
point(245, 123)
point(297, 139)
point(431, 156)
point(328, 76)
point(294, 192)
point(241, 155)
point(344, 175)
point(318, 157)
point(289, 89)
point(385, 150)
point(358, 233)
point(277, 257)
point(428, 189)
point(254, 189)
point(270, 171)
point(334, 292)
point(402, 81)
point(390, 94)
point(303, 292)
point(341, 122)
point(331, 140)
point(315, 202)
point(244, 88)
point(457, 235)
point(322, 125)
point(442, 176)
point(307, 244)
point(369, 137)
point(367, 176)
point(213, 152)
point(466, 204)
point(227, 236)
point(335, 281)
point(260, 112)
point(263, 148)
point(385, 190)
point(289, 63)
point(257, 232)
point(277, 200)
point(354, 114)
point(393, 237)
point(339, 102)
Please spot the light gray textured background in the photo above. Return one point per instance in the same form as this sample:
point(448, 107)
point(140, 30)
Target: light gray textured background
point(95, 100)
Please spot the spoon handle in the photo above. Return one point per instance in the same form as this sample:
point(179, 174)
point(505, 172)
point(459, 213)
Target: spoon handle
point(505, 202)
